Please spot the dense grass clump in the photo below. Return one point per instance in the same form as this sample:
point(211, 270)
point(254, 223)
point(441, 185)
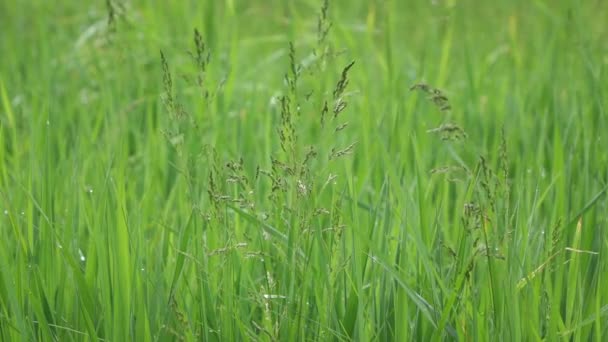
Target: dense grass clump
point(307, 170)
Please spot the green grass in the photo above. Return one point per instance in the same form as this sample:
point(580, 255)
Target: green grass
point(208, 195)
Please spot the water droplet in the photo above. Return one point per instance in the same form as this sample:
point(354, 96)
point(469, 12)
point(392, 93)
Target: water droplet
point(273, 296)
point(82, 258)
point(5, 212)
point(273, 101)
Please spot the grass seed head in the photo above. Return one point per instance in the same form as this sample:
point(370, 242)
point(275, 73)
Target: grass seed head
point(167, 84)
point(343, 82)
point(437, 96)
point(449, 131)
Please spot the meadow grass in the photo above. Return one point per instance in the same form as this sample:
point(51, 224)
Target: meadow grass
point(308, 170)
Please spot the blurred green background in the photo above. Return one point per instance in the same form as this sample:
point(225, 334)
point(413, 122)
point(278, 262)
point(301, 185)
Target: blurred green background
point(113, 229)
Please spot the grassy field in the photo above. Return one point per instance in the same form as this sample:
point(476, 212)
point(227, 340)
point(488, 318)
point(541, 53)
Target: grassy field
point(303, 170)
